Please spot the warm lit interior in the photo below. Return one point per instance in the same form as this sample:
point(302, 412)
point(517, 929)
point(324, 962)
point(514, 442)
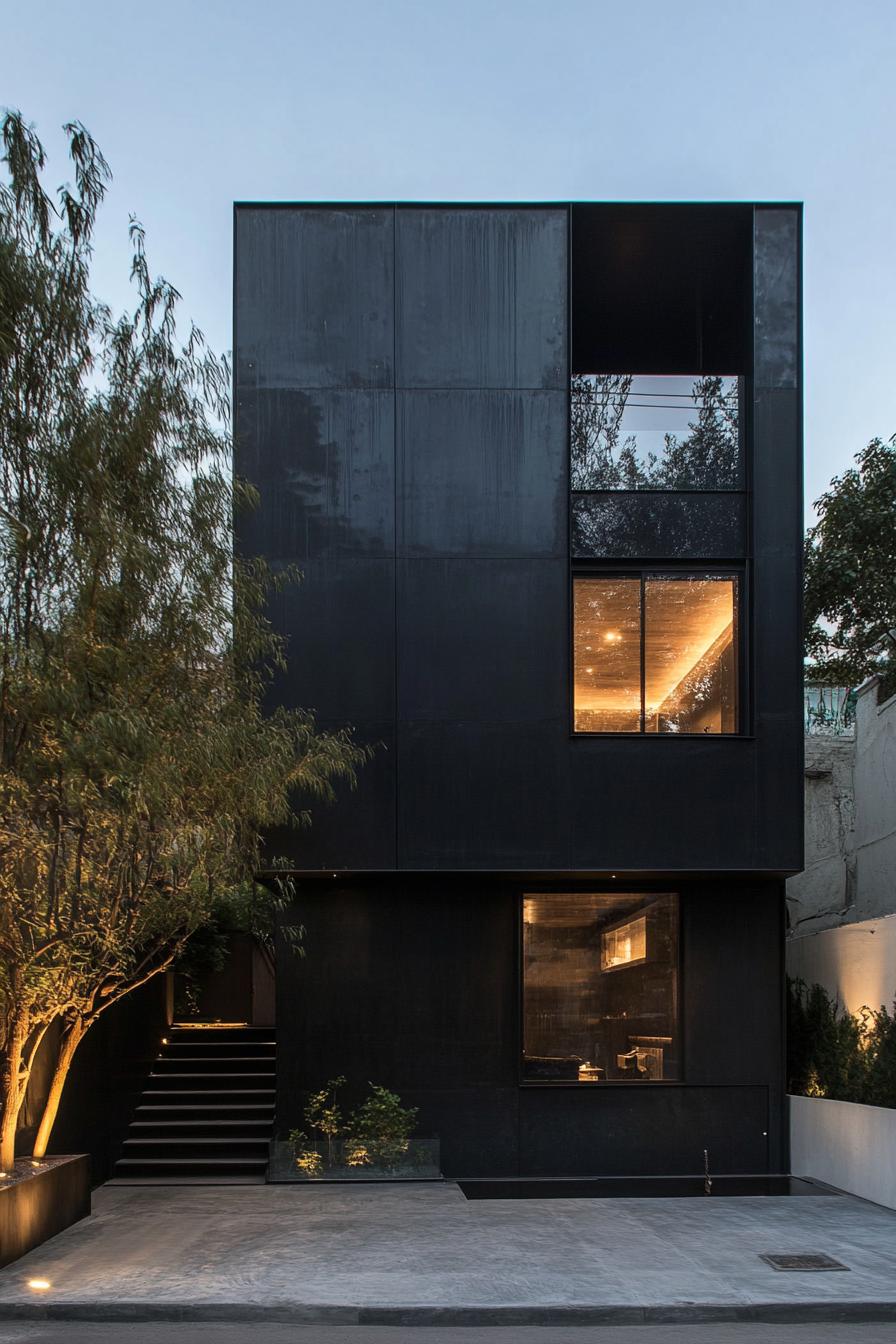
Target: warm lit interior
point(686, 680)
point(600, 987)
point(624, 945)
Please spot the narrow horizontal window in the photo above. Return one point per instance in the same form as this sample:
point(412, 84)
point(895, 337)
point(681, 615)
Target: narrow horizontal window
point(656, 653)
point(655, 432)
point(600, 991)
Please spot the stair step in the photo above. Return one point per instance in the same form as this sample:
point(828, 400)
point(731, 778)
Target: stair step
point(220, 1034)
point(206, 1114)
point(207, 1179)
point(257, 1163)
point(179, 1077)
point(216, 1141)
point(173, 1044)
point(213, 1096)
point(214, 1106)
point(214, 1058)
point(198, 1124)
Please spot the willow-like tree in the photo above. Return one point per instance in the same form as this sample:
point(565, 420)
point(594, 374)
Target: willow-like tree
point(138, 771)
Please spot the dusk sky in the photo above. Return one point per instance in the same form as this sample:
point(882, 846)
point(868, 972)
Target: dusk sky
point(196, 104)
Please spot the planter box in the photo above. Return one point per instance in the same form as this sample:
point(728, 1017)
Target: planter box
point(349, 1163)
point(36, 1203)
point(847, 1145)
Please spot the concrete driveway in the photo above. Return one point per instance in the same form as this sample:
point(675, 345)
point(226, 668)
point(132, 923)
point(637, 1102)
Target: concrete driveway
point(424, 1255)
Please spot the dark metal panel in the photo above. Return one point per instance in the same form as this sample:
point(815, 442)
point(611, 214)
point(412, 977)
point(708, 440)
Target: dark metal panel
point(357, 830)
point(651, 804)
point(314, 296)
point(483, 795)
point(776, 297)
point(482, 473)
point(655, 525)
point(482, 640)
point(732, 1010)
point(654, 1131)
point(477, 1128)
point(324, 465)
point(777, 634)
point(339, 625)
point(778, 547)
point(405, 984)
point(481, 297)
point(779, 820)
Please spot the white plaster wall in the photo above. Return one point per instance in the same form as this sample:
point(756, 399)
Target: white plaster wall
point(846, 1145)
point(855, 963)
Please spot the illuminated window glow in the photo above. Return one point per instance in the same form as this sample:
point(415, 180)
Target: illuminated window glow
point(600, 987)
point(655, 653)
point(624, 945)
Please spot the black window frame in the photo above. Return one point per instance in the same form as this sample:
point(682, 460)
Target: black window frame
point(671, 569)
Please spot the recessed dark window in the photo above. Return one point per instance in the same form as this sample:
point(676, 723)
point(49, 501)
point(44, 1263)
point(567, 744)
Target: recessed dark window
point(600, 987)
point(655, 653)
point(652, 432)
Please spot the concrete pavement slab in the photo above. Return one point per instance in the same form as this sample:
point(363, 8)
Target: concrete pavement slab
point(424, 1255)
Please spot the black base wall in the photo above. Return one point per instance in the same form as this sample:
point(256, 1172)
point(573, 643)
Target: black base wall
point(414, 983)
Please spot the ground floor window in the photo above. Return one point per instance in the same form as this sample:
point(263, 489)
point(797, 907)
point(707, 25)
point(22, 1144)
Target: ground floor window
point(600, 987)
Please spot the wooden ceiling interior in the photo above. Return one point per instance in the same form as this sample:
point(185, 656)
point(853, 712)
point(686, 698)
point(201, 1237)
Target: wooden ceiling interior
point(685, 618)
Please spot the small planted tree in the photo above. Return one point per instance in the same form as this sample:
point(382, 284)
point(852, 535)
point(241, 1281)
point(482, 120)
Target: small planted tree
point(137, 769)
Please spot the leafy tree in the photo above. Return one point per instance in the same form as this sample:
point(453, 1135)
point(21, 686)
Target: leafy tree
point(137, 770)
point(850, 565)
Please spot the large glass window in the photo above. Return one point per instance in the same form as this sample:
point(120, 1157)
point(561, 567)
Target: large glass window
point(655, 653)
point(600, 987)
point(655, 432)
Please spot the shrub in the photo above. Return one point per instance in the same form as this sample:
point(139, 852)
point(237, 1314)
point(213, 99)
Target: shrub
point(377, 1133)
point(836, 1054)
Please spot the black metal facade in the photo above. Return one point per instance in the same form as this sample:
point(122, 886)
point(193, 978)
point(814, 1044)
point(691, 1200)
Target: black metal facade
point(402, 402)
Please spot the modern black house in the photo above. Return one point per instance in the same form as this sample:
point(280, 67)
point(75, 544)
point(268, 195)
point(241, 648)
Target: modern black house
point(541, 468)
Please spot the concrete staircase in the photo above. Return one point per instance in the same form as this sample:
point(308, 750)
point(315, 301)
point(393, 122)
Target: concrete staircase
point(207, 1113)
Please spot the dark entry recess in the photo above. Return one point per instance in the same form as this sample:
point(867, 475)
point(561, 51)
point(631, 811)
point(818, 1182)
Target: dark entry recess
point(661, 290)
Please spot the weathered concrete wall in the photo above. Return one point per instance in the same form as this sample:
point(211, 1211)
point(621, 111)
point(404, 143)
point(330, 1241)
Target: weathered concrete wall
point(841, 933)
point(822, 894)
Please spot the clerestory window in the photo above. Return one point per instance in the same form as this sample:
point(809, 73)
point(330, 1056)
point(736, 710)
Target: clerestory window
point(655, 432)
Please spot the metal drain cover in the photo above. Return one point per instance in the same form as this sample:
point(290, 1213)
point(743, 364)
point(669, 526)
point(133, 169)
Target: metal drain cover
point(804, 1262)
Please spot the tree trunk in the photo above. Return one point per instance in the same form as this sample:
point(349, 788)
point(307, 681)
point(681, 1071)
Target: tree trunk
point(71, 1039)
point(12, 1096)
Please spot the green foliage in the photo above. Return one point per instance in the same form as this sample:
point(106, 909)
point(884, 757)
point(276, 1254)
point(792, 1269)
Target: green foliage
point(246, 908)
point(836, 1054)
point(850, 566)
point(138, 771)
point(383, 1126)
point(377, 1133)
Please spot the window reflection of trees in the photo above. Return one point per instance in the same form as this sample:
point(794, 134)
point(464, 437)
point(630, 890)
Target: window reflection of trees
point(603, 456)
